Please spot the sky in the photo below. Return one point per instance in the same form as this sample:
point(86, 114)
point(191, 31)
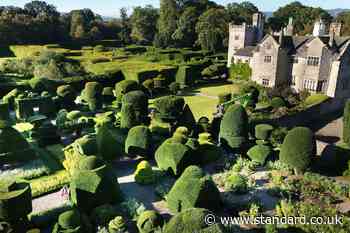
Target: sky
point(111, 7)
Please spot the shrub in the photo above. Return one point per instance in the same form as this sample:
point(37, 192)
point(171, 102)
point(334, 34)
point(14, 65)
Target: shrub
point(67, 95)
point(277, 102)
point(234, 127)
point(298, 148)
point(224, 97)
point(240, 71)
point(86, 145)
point(149, 85)
point(92, 94)
point(214, 70)
point(173, 156)
point(108, 147)
point(108, 95)
point(47, 184)
point(99, 48)
point(134, 109)
point(278, 135)
point(169, 107)
point(123, 87)
point(117, 225)
point(174, 88)
point(259, 153)
point(144, 173)
point(315, 99)
point(188, 120)
point(236, 183)
point(72, 221)
point(4, 112)
point(15, 200)
point(103, 214)
point(138, 141)
point(263, 131)
point(10, 97)
point(192, 220)
point(42, 84)
point(346, 123)
point(193, 189)
point(203, 125)
point(149, 221)
point(208, 151)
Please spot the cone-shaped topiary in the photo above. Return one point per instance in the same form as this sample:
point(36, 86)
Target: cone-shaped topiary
point(187, 119)
point(144, 173)
point(298, 148)
point(169, 107)
point(259, 153)
point(263, 131)
point(18, 150)
point(234, 127)
point(138, 141)
point(149, 221)
point(173, 156)
point(15, 200)
point(117, 225)
point(123, 87)
point(134, 109)
point(93, 184)
point(346, 123)
point(92, 94)
point(193, 220)
point(193, 189)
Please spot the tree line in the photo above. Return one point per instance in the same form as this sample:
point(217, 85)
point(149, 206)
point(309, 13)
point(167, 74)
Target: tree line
point(176, 23)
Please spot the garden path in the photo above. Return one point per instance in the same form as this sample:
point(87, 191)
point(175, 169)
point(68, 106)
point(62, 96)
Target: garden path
point(49, 201)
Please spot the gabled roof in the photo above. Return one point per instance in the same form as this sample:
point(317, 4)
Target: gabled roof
point(245, 52)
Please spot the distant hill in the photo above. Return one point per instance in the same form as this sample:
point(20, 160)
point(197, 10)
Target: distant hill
point(333, 12)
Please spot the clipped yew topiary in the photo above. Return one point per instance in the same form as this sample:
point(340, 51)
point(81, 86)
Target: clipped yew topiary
point(138, 141)
point(298, 148)
point(108, 148)
point(134, 109)
point(93, 184)
point(15, 200)
point(236, 183)
point(277, 102)
point(259, 153)
point(67, 95)
point(117, 225)
point(173, 156)
point(169, 107)
point(10, 97)
point(18, 150)
point(86, 145)
point(346, 123)
point(193, 189)
point(144, 173)
point(4, 111)
point(73, 222)
point(234, 127)
point(92, 94)
point(108, 95)
point(149, 221)
point(123, 87)
point(193, 220)
point(263, 131)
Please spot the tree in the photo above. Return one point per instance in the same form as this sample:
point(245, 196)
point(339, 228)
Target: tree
point(41, 8)
point(241, 12)
point(125, 31)
point(185, 34)
point(304, 17)
point(144, 24)
point(212, 29)
point(168, 15)
point(298, 148)
point(80, 23)
point(344, 18)
point(346, 123)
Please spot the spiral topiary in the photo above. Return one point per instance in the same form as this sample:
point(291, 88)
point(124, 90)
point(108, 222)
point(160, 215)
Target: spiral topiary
point(193, 189)
point(149, 221)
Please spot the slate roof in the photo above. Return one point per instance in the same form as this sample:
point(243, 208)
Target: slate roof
point(245, 52)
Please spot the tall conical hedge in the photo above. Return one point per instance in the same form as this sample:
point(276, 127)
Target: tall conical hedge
point(298, 148)
point(234, 127)
point(193, 189)
point(134, 109)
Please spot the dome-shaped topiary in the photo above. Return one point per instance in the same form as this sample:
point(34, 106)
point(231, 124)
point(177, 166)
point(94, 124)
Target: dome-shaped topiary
point(173, 156)
point(193, 189)
point(234, 127)
point(263, 131)
point(298, 148)
point(144, 173)
point(138, 141)
point(15, 200)
point(193, 220)
point(259, 153)
point(69, 219)
point(86, 145)
point(149, 221)
point(117, 225)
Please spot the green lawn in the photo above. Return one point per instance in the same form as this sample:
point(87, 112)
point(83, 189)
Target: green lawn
point(202, 106)
point(215, 90)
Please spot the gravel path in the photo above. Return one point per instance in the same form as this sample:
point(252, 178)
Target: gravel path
point(49, 201)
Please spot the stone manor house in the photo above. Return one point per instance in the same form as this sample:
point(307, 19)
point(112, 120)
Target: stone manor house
point(318, 63)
